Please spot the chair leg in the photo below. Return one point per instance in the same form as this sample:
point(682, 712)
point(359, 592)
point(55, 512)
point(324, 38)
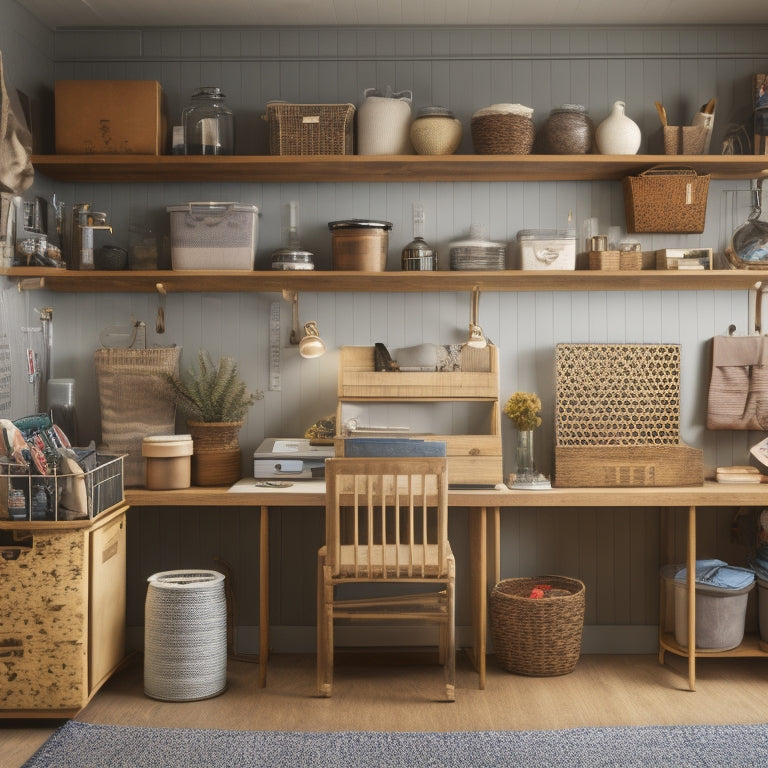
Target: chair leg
point(324, 631)
point(450, 649)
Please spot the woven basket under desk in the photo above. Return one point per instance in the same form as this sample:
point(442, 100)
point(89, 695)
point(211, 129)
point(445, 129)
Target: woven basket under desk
point(540, 637)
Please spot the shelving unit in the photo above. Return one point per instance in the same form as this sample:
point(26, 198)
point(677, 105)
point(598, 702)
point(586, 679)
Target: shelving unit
point(119, 169)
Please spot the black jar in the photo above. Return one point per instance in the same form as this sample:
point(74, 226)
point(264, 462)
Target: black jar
point(568, 131)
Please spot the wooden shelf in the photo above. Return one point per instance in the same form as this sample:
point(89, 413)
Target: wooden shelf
point(399, 168)
point(750, 647)
point(213, 281)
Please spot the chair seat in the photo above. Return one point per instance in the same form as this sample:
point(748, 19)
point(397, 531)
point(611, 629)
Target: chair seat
point(394, 561)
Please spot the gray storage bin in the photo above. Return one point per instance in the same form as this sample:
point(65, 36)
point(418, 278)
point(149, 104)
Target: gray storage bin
point(762, 608)
point(720, 616)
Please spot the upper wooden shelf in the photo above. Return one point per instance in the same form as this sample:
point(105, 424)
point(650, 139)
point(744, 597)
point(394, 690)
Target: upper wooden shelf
point(335, 168)
point(214, 281)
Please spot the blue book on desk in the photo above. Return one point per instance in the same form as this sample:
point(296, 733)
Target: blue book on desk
point(392, 446)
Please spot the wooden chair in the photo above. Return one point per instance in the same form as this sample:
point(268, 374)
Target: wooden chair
point(386, 523)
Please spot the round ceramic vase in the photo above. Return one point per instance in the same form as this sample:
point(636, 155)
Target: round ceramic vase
point(618, 134)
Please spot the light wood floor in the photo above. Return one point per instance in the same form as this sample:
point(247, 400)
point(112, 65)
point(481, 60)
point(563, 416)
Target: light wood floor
point(602, 691)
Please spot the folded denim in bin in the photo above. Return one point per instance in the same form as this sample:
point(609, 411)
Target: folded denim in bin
point(760, 566)
point(716, 573)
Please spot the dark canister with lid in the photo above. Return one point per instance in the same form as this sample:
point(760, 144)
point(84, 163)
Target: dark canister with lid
point(360, 244)
point(568, 131)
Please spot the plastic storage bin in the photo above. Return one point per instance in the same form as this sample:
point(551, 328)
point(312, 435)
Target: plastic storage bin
point(547, 248)
point(213, 235)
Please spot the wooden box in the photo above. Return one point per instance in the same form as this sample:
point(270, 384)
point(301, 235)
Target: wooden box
point(110, 117)
point(62, 616)
point(472, 458)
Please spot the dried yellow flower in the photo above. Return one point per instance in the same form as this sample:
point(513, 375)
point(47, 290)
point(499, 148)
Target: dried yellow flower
point(524, 409)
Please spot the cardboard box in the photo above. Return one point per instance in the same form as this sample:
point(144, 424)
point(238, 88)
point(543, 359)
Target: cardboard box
point(110, 117)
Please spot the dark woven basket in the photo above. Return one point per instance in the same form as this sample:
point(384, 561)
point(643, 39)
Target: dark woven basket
point(537, 637)
point(502, 134)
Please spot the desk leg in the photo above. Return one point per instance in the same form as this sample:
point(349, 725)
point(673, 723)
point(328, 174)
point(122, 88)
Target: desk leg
point(691, 587)
point(478, 575)
point(263, 595)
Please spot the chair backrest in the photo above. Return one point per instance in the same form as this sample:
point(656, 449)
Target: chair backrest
point(387, 518)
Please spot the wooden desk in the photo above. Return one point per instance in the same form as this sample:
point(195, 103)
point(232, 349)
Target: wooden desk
point(485, 537)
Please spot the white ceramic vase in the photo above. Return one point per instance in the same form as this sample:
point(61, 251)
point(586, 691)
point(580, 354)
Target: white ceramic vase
point(617, 134)
point(383, 123)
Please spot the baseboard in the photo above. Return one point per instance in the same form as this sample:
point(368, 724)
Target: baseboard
point(600, 639)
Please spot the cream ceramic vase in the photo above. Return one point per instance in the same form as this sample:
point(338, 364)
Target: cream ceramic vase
point(383, 123)
point(618, 134)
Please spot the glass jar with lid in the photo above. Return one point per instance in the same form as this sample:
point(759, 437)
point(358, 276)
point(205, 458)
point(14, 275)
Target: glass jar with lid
point(208, 124)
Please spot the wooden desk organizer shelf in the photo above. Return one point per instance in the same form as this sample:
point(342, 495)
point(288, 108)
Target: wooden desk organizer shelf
point(472, 458)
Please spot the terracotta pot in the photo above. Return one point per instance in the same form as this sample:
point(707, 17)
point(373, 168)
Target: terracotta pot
point(215, 452)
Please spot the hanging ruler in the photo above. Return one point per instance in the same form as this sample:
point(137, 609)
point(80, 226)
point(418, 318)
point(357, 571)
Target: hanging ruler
point(274, 346)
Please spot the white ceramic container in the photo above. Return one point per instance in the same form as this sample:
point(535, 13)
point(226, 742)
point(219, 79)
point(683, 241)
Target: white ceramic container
point(618, 134)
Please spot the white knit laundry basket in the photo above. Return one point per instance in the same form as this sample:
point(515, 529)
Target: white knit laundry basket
point(185, 635)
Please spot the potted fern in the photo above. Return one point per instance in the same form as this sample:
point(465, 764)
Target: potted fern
point(215, 400)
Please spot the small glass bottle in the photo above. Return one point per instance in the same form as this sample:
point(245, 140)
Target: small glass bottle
point(208, 124)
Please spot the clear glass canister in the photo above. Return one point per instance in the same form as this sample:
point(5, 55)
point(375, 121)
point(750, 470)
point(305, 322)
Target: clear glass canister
point(208, 124)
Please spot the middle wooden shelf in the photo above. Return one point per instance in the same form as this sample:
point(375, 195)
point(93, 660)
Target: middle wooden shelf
point(329, 281)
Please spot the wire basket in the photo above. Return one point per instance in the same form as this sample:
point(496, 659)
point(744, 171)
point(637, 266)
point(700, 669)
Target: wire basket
point(310, 129)
point(538, 637)
point(60, 496)
point(502, 134)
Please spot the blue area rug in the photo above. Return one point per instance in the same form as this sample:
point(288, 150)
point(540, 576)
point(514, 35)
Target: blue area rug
point(82, 745)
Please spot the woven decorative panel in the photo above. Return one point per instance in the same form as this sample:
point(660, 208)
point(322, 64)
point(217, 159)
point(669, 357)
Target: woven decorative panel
point(617, 394)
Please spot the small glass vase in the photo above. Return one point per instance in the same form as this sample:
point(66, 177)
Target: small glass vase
point(525, 468)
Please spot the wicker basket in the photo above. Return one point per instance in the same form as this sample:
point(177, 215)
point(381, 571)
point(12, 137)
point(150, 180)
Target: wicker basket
point(666, 200)
point(617, 417)
point(502, 133)
point(538, 637)
point(310, 129)
point(685, 139)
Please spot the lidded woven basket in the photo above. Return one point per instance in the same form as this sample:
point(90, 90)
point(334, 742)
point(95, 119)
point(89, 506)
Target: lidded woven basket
point(503, 129)
point(539, 637)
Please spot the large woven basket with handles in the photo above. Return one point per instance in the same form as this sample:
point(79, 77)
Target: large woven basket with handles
point(540, 637)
